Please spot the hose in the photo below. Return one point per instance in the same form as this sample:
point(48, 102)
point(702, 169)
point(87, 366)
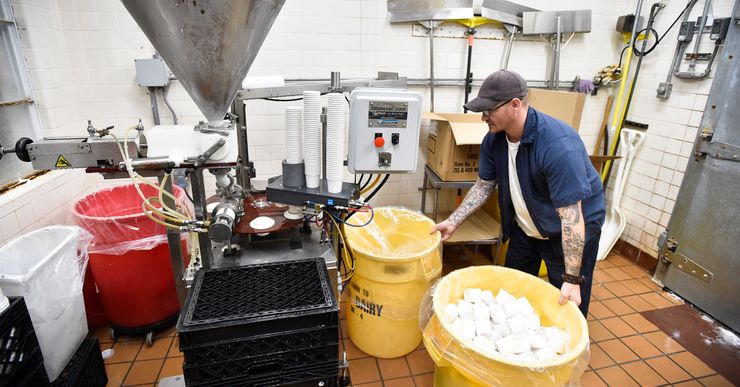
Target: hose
point(368, 188)
point(167, 213)
point(615, 142)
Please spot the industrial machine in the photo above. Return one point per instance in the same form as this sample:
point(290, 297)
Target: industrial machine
point(209, 49)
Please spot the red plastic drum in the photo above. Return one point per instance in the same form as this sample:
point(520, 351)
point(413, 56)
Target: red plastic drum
point(129, 256)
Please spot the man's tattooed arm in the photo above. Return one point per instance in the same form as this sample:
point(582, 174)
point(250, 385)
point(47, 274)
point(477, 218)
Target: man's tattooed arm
point(475, 198)
point(573, 237)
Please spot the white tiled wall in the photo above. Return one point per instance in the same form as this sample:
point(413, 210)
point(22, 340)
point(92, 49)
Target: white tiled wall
point(80, 55)
point(673, 125)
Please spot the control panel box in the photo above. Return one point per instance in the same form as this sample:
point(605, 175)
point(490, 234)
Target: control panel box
point(384, 129)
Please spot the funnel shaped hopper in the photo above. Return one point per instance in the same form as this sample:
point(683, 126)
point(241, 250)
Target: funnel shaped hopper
point(208, 45)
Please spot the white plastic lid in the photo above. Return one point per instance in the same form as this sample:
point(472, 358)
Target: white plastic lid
point(262, 223)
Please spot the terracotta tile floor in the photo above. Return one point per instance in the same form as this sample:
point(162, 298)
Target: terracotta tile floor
point(626, 349)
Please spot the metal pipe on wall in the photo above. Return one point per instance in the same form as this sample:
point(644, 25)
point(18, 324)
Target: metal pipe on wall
point(153, 100)
point(702, 23)
point(431, 64)
point(509, 45)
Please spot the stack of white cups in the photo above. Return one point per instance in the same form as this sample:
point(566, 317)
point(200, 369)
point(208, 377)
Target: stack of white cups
point(335, 142)
point(312, 137)
point(294, 134)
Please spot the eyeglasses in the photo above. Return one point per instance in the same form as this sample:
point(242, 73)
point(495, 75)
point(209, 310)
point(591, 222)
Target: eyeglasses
point(491, 110)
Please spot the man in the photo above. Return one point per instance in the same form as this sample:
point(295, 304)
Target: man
point(551, 198)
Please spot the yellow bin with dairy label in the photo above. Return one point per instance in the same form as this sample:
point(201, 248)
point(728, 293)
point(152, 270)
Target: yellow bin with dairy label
point(396, 260)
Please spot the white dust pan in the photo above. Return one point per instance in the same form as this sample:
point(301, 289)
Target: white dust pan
point(630, 143)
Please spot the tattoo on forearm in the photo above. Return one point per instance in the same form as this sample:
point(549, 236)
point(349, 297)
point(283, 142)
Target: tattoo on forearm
point(573, 235)
point(475, 198)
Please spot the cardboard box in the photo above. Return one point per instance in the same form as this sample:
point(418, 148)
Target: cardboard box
point(454, 145)
point(563, 105)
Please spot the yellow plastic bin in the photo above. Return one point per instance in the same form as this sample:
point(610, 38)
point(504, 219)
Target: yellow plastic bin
point(397, 259)
point(458, 365)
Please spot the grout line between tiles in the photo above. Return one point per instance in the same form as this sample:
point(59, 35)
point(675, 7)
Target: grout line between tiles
point(161, 368)
point(131, 364)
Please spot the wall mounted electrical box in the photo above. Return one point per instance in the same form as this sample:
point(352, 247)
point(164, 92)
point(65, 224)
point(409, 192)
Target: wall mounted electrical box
point(384, 129)
point(152, 72)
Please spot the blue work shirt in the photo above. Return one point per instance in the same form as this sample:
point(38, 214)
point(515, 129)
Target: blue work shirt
point(554, 171)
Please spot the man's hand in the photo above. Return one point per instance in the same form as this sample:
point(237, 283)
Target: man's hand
point(570, 292)
point(476, 197)
point(447, 228)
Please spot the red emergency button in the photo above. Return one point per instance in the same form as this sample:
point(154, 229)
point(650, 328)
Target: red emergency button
point(379, 142)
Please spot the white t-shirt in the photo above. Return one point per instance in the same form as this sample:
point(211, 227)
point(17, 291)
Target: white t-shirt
point(521, 213)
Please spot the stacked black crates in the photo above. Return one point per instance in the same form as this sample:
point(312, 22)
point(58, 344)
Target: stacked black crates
point(85, 369)
point(21, 361)
point(261, 325)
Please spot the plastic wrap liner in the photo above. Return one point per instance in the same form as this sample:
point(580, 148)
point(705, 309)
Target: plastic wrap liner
point(115, 218)
point(473, 366)
point(47, 268)
point(395, 247)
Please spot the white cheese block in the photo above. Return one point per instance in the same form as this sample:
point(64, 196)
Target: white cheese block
point(503, 297)
point(487, 297)
point(527, 356)
point(555, 339)
point(511, 308)
point(524, 306)
point(517, 324)
point(537, 340)
point(502, 329)
point(472, 295)
point(497, 313)
point(545, 353)
point(465, 310)
point(483, 327)
point(492, 335)
point(480, 312)
point(518, 343)
point(484, 343)
point(533, 321)
point(467, 330)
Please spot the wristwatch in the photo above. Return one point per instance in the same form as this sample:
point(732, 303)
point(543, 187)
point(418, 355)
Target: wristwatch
point(573, 279)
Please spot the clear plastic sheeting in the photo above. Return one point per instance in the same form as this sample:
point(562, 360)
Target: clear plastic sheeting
point(144, 244)
point(461, 364)
point(47, 268)
point(396, 260)
point(397, 244)
point(116, 219)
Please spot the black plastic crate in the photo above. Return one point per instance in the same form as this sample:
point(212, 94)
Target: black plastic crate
point(247, 301)
point(313, 376)
point(274, 354)
point(21, 361)
point(322, 343)
point(85, 369)
point(36, 377)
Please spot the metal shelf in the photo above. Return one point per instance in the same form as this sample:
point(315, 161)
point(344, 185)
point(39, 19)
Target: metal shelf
point(481, 227)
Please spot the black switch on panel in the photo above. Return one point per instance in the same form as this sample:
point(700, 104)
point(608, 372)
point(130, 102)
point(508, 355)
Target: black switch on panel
point(394, 138)
point(378, 135)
